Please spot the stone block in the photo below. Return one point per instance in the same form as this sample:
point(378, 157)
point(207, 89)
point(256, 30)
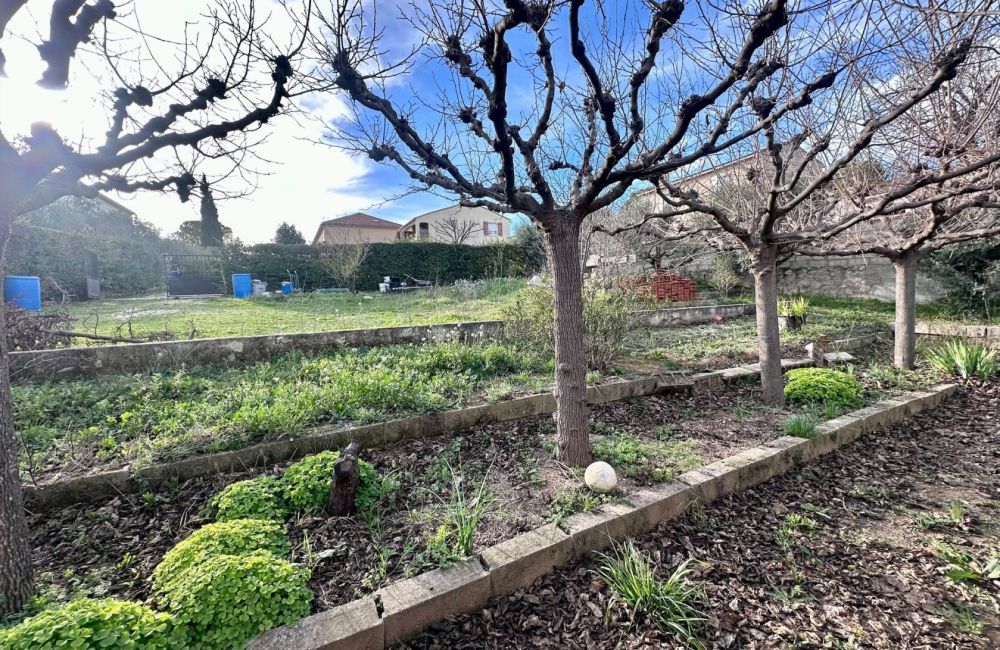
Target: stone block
point(651, 506)
point(516, 563)
point(410, 605)
point(592, 531)
point(353, 626)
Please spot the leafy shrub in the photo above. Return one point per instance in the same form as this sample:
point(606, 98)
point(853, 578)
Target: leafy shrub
point(307, 483)
point(969, 273)
point(607, 318)
point(671, 604)
point(237, 537)
point(822, 386)
point(960, 357)
point(259, 498)
point(85, 623)
point(226, 600)
point(725, 275)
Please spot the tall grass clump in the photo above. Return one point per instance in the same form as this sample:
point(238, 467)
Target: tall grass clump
point(672, 604)
point(965, 359)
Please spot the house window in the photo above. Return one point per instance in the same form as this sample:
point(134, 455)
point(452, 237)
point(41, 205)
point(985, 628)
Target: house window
point(491, 229)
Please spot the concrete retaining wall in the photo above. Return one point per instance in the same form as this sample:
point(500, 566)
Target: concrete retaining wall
point(55, 494)
point(147, 357)
point(128, 358)
point(404, 608)
point(988, 334)
point(692, 315)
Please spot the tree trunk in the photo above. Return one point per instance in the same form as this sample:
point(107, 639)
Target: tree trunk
point(906, 311)
point(768, 340)
point(15, 549)
point(572, 414)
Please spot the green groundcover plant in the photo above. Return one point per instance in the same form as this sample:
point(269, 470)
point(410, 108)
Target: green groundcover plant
point(108, 624)
point(822, 386)
point(224, 601)
point(258, 498)
point(237, 537)
point(306, 484)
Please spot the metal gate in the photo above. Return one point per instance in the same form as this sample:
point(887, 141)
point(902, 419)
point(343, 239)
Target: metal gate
point(194, 275)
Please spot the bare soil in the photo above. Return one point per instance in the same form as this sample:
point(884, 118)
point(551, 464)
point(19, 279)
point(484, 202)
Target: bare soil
point(867, 576)
point(110, 548)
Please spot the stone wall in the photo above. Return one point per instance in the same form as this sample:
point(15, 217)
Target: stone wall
point(235, 351)
point(855, 276)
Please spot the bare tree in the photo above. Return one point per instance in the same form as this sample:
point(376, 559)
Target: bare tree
point(452, 230)
point(342, 260)
point(171, 102)
point(952, 136)
point(786, 187)
point(597, 119)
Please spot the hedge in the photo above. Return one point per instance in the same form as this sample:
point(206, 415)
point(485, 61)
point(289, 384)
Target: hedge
point(442, 263)
point(129, 266)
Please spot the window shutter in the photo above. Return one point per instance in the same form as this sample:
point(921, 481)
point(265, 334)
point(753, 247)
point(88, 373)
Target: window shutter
point(499, 228)
point(486, 229)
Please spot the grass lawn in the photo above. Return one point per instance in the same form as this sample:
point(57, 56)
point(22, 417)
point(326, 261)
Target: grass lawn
point(312, 312)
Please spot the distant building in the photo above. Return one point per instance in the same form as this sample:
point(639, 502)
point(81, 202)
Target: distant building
point(357, 228)
point(458, 225)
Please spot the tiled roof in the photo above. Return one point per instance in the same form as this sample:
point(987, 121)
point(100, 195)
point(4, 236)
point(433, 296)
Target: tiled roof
point(359, 219)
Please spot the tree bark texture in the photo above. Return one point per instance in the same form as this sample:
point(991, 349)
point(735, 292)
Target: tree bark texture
point(16, 584)
point(572, 414)
point(904, 349)
point(768, 339)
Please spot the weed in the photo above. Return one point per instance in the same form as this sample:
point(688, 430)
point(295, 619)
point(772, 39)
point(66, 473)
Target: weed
point(672, 604)
point(964, 619)
point(461, 516)
point(964, 566)
point(956, 512)
point(789, 532)
point(634, 457)
point(800, 426)
point(570, 502)
point(927, 521)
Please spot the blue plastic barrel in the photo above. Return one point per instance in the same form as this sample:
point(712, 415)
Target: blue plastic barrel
point(23, 291)
point(286, 287)
point(242, 285)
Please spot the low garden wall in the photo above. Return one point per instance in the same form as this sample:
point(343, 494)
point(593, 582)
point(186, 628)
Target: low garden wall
point(243, 350)
point(988, 334)
point(55, 494)
point(692, 315)
point(128, 358)
point(403, 608)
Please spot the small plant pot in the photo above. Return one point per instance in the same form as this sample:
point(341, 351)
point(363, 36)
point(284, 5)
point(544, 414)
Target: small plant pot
point(791, 322)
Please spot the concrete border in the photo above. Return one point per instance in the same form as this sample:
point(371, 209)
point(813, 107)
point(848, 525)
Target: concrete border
point(404, 608)
point(680, 316)
point(128, 358)
point(91, 361)
point(986, 334)
point(91, 487)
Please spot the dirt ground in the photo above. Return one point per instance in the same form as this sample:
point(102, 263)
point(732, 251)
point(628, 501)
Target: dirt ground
point(871, 573)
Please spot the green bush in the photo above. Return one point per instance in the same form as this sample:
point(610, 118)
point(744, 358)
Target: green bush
point(965, 359)
point(224, 601)
point(607, 318)
point(822, 386)
point(237, 537)
point(259, 498)
point(969, 273)
point(107, 624)
point(307, 483)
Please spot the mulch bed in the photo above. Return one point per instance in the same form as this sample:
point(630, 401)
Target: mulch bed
point(864, 578)
point(110, 548)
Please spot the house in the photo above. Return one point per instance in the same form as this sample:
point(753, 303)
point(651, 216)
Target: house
point(357, 228)
point(458, 224)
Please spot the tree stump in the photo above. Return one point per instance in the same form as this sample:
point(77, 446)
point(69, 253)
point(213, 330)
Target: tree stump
point(345, 482)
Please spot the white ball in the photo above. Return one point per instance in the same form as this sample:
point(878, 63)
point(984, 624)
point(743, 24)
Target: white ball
point(600, 477)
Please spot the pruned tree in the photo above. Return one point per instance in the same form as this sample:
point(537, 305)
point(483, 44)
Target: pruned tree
point(787, 185)
point(452, 230)
point(343, 260)
point(597, 121)
point(953, 138)
point(211, 230)
point(169, 102)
